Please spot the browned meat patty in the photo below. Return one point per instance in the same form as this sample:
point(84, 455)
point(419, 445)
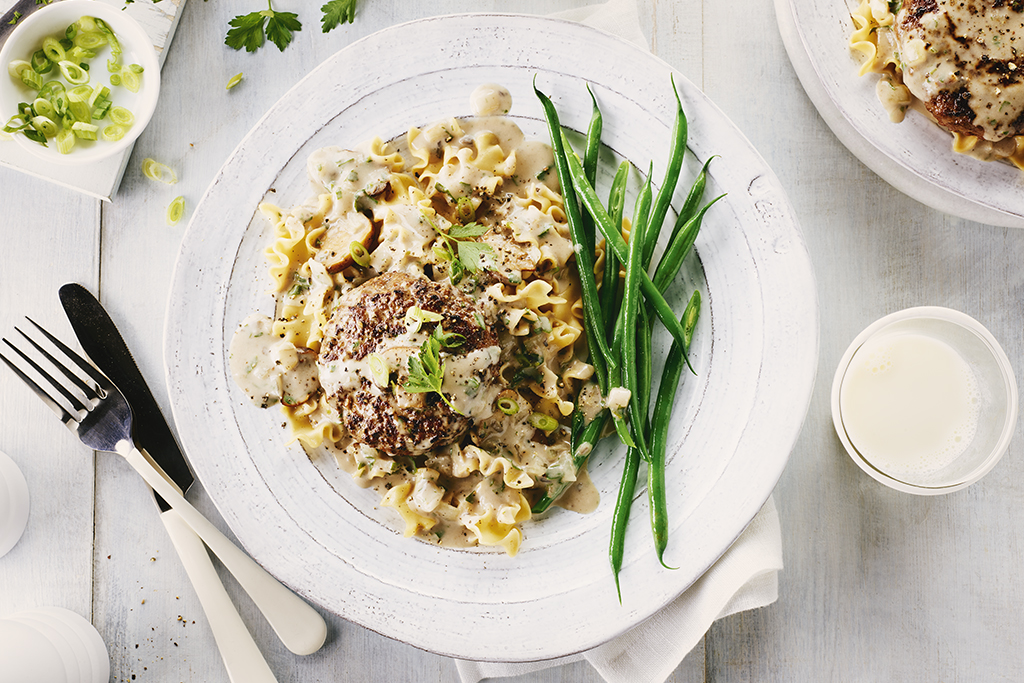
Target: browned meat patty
point(371, 319)
point(965, 60)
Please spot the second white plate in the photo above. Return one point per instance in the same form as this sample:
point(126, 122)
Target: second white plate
point(914, 156)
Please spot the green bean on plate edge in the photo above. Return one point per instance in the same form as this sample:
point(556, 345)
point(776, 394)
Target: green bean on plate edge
point(619, 315)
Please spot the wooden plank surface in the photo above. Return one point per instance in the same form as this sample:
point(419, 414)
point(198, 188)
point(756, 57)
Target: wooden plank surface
point(877, 585)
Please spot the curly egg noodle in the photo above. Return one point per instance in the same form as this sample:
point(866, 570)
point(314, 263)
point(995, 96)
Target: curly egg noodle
point(944, 51)
point(391, 208)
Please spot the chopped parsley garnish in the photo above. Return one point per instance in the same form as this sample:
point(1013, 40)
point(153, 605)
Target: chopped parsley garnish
point(464, 253)
point(426, 371)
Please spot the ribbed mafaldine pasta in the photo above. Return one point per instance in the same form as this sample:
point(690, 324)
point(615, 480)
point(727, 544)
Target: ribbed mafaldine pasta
point(468, 209)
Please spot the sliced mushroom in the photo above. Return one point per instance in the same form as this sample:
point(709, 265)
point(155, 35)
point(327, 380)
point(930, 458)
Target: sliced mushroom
point(508, 259)
point(335, 248)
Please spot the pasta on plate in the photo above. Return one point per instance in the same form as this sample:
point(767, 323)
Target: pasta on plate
point(428, 324)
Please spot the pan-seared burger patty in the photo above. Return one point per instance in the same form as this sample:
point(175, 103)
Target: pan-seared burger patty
point(964, 59)
point(365, 357)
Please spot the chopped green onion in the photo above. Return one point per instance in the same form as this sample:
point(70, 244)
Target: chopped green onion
point(416, 316)
point(35, 136)
point(70, 32)
point(113, 133)
point(99, 93)
point(65, 141)
point(53, 49)
point(115, 79)
point(45, 125)
point(86, 24)
point(235, 80)
point(90, 40)
point(41, 64)
point(508, 406)
point(51, 90)
point(80, 93)
point(379, 370)
point(17, 67)
point(130, 79)
point(85, 131)
point(42, 107)
point(115, 45)
point(543, 422)
point(30, 78)
point(154, 170)
point(101, 109)
point(15, 124)
point(73, 73)
point(175, 210)
point(114, 67)
point(78, 55)
point(122, 117)
point(359, 254)
point(136, 68)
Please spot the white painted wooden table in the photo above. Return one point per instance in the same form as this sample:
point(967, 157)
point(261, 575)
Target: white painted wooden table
point(877, 586)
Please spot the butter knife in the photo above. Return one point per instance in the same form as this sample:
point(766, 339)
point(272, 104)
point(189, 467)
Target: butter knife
point(300, 627)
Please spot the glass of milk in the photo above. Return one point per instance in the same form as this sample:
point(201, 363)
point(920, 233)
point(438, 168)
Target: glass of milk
point(925, 400)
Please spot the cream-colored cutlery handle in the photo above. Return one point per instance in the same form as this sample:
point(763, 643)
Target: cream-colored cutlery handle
point(299, 626)
point(242, 659)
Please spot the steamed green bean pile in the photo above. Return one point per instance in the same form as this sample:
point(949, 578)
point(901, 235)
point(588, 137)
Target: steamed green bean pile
point(620, 316)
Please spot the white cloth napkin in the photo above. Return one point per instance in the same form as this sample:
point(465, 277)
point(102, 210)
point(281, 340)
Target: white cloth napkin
point(744, 578)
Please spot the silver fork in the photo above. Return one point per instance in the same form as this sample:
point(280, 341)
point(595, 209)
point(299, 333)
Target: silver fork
point(91, 406)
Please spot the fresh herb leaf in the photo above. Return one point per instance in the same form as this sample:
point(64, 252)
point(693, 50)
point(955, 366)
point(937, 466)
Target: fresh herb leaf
point(448, 339)
point(248, 29)
point(247, 32)
point(469, 230)
point(470, 254)
point(426, 371)
point(280, 27)
point(338, 12)
point(465, 255)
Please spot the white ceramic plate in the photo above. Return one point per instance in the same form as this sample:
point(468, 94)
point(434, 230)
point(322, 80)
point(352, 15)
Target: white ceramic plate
point(755, 351)
point(914, 156)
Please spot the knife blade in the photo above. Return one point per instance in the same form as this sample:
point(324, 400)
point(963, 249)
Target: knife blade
point(104, 345)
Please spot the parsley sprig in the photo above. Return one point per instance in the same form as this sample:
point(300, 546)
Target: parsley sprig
point(251, 30)
point(464, 253)
point(426, 369)
point(337, 12)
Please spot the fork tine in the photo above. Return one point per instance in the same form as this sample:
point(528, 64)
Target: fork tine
point(57, 408)
point(100, 379)
point(71, 398)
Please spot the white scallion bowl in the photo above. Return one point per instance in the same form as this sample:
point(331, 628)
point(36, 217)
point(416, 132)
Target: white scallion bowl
point(137, 47)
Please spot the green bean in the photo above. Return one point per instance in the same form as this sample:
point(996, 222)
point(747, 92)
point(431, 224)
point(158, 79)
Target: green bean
point(693, 198)
point(613, 237)
point(659, 430)
point(668, 186)
point(623, 503)
point(593, 150)
point(610, 283)
point(631, 307)
point(679, 247)
point(593, 316)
